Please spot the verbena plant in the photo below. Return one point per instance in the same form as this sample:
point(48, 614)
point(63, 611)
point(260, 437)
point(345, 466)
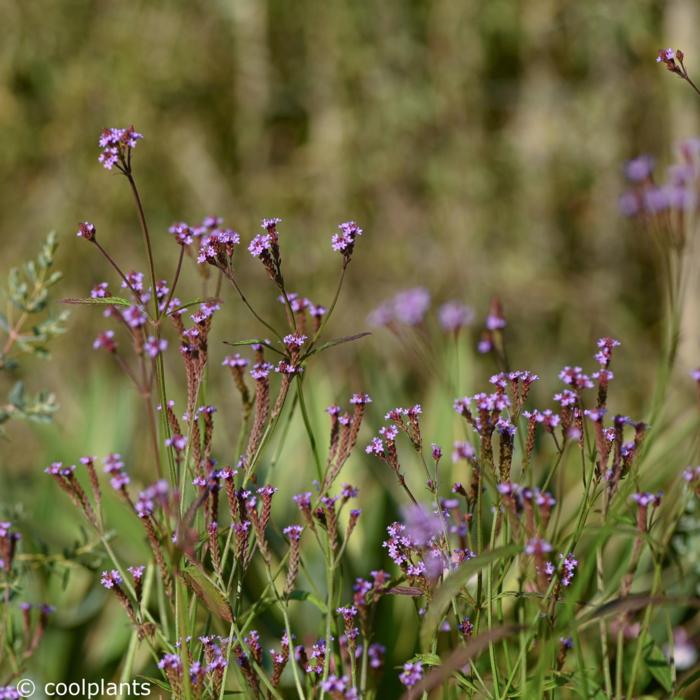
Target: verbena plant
point(524, 581)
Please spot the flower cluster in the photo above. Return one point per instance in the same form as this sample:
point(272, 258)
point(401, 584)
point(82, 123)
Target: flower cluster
point(116, 145)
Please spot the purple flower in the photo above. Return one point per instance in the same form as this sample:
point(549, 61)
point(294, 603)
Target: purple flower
point(411, 305)
point(537, 546)
point(137, 572)
point(182, 232)
point(294, 340)
point(453, 316)
point(154, 346)
point(86, 230)
point(115, 144)
point(569, 566)
point(260, 244)
point(646, 499)
point(412, 674)
point(170, 662)
point(344, 242)
point(235, 361)
point(639, 169)
point(375, 447)
point(177, 442)
point(422, 525)
point(270, 224)
point(574, 377)
point(494, 322)
point(293, 532)
point(261, 370)
point(105, 341)
point(462, 450)
point(135, 317)
point(349, 491)
point(360, 399)
point(484, 345)
point(110, 579)
point(100, 291)
point(629, 204)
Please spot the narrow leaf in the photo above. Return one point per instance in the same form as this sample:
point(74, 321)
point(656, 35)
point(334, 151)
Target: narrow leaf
point(106, 301)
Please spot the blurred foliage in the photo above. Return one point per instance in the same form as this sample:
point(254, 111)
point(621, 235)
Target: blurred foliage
point(28, 289)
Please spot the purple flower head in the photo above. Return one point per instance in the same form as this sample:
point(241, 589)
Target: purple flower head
point(344, 241)
point(422, 525)
point(115, 144)
point(639, 169)
point(574, 377)
point(170, 662)
point(155, 346)
point(389, 433)
point(235, 361)
point(537, 546)
point(375, 447)
point(303, 500)
point(293, 532)
point(569, 566)
point(182, 232)
point(411, 306)
point(462, 450)
point(317, 311)
point(137, 572)
point(505, 427)
point(360, 399)
point(349, 491)
point(262, 243)
point(135, 316)
point(105, 341)
point(695, 374)
point(412, 674)
point(86, 230)
point(261, 370)
point(294, 340)
point(646, 499)
point(100, 291)
point(177, 442)
point(289, 368)
point(595, 414)
point(436, 452)
point(485, 344)
point(454, 316)
point(113, 463)
point(110, 579)
point(494, 322)
point(629, 203)
point(270, 225)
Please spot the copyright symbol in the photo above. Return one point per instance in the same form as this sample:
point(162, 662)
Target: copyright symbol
point(26, 688)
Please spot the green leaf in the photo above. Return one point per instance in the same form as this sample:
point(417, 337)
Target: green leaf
point(454, 582)
point(427, 659)
point(338, 341)
point(208, 592)
point(306, 596)
point(658, 665)
point(693, 678)
point(109, 301)
point(156, 681)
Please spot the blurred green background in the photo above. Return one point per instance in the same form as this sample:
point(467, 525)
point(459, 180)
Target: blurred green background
point(479, 144)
